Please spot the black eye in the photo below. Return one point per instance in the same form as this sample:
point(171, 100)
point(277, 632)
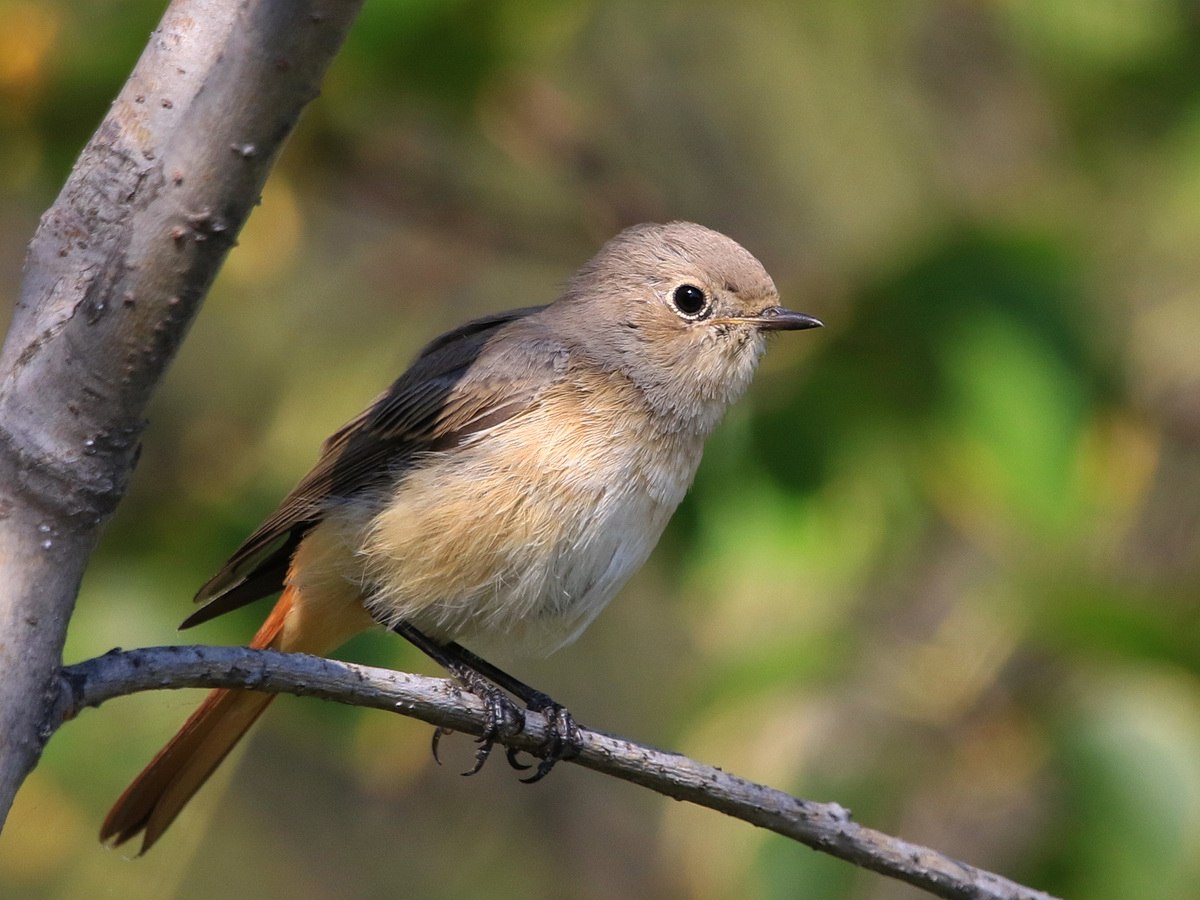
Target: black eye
point(690, 301)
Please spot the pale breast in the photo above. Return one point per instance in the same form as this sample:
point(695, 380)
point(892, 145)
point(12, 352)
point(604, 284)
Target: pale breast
point(525, 532)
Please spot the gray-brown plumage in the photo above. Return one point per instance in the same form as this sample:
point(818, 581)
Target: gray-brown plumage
point(505, 487)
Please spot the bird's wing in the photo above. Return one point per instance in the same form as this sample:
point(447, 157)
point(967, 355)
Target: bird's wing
point(453, 391)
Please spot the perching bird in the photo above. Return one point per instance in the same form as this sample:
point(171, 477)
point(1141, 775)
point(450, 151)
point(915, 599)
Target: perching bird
point(500, 492)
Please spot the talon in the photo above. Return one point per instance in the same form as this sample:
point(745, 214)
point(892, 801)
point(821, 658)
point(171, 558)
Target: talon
point(511, 754)
point(563, 740)
point(481, 756)
point(503, 716)
point(438, 732)
point(543, 770)
point(487, 740)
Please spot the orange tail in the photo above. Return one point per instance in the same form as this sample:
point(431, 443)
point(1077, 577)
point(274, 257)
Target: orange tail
point(164, 787)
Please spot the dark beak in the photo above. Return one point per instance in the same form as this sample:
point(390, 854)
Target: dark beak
point(776, 318)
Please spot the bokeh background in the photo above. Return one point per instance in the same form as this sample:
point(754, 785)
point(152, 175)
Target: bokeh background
point(940, 566)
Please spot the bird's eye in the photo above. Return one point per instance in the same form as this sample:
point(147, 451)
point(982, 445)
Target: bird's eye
point(690, 301)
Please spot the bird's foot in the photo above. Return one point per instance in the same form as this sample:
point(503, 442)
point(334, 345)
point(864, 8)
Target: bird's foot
point(563, 738)
point(504, 717)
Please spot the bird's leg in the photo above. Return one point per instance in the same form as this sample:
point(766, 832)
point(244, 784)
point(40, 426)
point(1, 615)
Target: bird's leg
point(503, 716)
point(485, 681)
point(563, 739)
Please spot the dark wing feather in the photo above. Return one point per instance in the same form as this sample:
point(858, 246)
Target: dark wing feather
point(426, 409)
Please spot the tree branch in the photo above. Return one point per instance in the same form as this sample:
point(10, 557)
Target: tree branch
point(113, 277)
point(827, 827)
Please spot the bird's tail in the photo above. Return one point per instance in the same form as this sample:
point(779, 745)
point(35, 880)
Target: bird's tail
point(164, 787)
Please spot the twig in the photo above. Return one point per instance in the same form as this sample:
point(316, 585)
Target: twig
point(827, 827)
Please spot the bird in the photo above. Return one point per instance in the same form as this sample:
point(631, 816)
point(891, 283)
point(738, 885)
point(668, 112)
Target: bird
point(499, 494)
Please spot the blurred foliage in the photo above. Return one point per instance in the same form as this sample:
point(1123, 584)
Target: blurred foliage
point(941, 565)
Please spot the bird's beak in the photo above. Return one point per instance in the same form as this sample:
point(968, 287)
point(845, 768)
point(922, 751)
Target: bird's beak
point(776, 318)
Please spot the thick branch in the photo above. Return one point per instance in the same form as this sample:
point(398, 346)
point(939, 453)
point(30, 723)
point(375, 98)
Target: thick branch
point(823, 826)
point(113, 278)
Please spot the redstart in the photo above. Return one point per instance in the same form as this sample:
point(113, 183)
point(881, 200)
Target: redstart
point(499, 493)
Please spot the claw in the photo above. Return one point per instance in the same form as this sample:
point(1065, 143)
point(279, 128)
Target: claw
point(543, 770)
point(511, 754)
point(438, 733)
point(563, 740)
point(504, 717)
point(481, 756)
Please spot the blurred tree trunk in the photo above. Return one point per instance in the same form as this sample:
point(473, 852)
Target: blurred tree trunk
point(114, 275)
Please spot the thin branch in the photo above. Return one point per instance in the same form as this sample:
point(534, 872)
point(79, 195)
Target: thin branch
point(827, 827)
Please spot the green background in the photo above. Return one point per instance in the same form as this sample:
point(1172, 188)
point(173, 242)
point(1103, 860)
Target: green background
point(940, 565)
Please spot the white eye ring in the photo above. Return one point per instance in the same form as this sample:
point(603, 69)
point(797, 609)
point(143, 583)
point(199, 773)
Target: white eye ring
point(690, 302)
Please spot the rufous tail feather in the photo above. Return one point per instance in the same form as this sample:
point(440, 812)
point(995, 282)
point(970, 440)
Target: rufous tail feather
point(164, 787)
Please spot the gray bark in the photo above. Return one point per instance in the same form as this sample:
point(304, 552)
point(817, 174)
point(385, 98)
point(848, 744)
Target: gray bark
point(827, 827)
point(114, 276)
